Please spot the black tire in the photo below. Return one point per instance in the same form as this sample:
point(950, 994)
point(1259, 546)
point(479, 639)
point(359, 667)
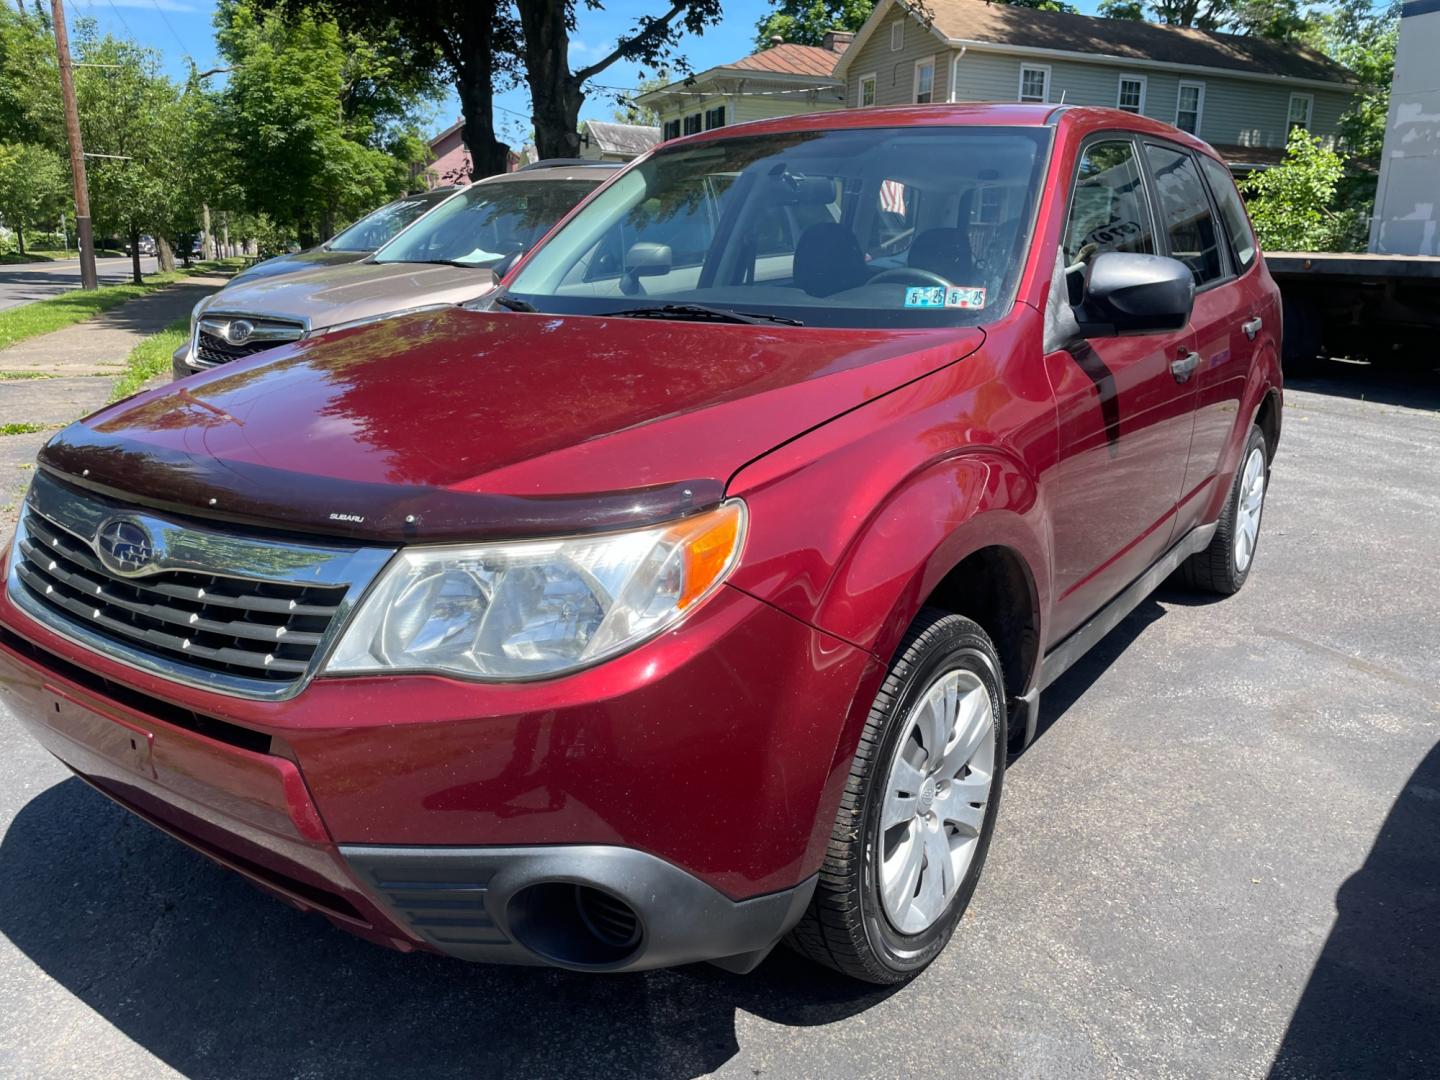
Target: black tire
point(846, 927)
point(1216, 570)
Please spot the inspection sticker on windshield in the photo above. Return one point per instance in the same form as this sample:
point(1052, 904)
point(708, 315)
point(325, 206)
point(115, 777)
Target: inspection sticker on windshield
point(925, 296)
point(963, 296)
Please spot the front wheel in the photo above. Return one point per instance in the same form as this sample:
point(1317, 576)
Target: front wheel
point(1223, 566)
point(918, 810)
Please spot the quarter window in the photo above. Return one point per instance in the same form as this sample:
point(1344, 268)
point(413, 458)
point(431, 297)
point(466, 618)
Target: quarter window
point(1185, 213)
point(1301, 106)
point(867, 90)
point(1188, 104)
point(1034, 83)
point(1109, 210)
point(1232, 212)
point(925, 81)
point(1132, 93)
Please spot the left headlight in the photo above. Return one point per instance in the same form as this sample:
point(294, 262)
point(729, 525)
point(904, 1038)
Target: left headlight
point(539, 608)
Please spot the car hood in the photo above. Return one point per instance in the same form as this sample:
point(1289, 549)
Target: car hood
point(360, 290)
point(476, 424)
point(293, 263)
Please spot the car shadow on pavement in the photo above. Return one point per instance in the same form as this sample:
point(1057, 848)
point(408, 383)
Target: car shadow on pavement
point(1415, 386)
point(1372, 1004)
point(214, 978)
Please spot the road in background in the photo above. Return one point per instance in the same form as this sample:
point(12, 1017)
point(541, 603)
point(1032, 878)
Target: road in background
point(1220, 859)
point(21, 283)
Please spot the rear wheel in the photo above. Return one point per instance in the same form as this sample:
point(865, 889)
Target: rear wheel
point(1223, 566)
point(915, 821)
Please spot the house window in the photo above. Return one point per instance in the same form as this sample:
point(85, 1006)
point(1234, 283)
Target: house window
point(1034, 83)
point(671, 129)
point(867, 90)
point(925, 81)
point(897, 35)
point(1301, 106)
point(715, 117)
point(1132, 93)
point(692, 123)
point(1189, 103)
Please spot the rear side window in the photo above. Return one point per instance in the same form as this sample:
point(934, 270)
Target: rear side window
point(1185, 213)
point(1108, 208)
point(1232, 213)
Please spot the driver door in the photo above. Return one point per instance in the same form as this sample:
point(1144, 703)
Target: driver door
point(1124, 414)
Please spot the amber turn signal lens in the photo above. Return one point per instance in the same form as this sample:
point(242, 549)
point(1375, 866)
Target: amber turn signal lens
point(708, 546)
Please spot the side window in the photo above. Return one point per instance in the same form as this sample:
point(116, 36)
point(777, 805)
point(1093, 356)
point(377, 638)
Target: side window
point(1108, 208)
point(1185, 212)
point(1232, 213)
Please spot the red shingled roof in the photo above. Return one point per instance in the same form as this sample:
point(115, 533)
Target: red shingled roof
point(790, 59)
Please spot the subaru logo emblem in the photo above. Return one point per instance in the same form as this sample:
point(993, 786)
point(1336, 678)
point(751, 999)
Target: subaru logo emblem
point(239, 331)
point(124, 546)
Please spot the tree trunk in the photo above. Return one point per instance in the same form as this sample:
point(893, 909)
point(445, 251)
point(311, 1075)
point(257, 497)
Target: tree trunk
point(555, 95)
point(20, 239)
point(475, 74)
point(207, 239)
point(225, 233)
point(135, 256)
point(164, 253)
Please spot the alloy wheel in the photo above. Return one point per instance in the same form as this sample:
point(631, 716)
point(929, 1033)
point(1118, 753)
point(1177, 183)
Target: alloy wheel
point(1247, 511)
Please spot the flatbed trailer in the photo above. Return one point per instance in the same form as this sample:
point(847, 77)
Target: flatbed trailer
point(1373, 307)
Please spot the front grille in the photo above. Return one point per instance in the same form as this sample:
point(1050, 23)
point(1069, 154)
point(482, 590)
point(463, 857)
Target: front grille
point(213, 345)
point(230, 612)
point(259, 630)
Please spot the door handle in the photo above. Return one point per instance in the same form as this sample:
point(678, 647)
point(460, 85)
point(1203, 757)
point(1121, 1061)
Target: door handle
point(1184, 367)
point(1252, 327)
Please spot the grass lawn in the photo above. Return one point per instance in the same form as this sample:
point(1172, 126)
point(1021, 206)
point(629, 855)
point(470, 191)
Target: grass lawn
point(57, 312)
point(150, 358)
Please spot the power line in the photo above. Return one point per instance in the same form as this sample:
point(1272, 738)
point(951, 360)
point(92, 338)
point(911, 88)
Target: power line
point(166, 20)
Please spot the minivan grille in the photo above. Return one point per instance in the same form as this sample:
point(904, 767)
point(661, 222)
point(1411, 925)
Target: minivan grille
point(213, 345)
point(260, 630)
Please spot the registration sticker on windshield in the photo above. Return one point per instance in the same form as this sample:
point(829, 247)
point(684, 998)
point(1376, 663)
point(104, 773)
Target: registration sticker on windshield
point(963, 296)
point(925, 296)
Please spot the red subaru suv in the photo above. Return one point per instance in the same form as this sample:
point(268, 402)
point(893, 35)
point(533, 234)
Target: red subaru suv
point(688, 594)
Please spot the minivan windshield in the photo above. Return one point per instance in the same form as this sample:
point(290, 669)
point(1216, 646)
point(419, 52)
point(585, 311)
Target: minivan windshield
point(488, 222)
point(378, 226)
point(861, 227)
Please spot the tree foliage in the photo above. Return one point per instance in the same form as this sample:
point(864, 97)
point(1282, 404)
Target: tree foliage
point(1293, 205)
point(1362, 38)
point(804, 22)
point(33, 186)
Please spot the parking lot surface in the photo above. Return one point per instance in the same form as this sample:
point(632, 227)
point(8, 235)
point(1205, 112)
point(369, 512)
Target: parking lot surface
point(1220, 859)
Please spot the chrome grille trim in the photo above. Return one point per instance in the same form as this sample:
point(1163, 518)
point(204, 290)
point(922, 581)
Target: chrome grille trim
point(211, 345)
point(236, 614)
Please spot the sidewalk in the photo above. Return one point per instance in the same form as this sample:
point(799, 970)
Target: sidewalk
point(87, 358)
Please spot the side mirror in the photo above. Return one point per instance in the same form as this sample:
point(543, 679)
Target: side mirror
point(1122, 294)
point(644, 260)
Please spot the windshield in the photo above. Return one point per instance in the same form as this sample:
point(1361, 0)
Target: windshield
point(377, 227)
point(489, 222)
point(863, 227)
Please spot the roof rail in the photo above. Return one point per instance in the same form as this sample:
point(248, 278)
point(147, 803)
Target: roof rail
point(552, 163)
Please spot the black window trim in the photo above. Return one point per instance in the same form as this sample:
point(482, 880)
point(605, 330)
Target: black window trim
point(1227, 274)
point(1237, 272)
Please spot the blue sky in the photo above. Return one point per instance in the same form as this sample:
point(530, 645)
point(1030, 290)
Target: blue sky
point(180, 28)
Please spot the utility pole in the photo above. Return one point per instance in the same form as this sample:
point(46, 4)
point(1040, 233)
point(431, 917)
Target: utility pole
point(84, 237)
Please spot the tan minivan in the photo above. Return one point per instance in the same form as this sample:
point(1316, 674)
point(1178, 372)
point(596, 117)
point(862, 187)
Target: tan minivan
point(451, 255)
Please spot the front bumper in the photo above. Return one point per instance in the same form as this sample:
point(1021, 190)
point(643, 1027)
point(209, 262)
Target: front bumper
point(689, 781)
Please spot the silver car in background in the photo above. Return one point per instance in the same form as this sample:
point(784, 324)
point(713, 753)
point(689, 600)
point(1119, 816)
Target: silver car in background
point(454, 254)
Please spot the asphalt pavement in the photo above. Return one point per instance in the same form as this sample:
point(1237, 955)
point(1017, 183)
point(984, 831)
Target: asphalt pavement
point(1220, 859)
point(22, 282)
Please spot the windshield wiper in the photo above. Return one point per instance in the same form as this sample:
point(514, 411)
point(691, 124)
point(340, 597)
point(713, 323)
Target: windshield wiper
point(514, 303)
point(437, 262)
point(701, 312)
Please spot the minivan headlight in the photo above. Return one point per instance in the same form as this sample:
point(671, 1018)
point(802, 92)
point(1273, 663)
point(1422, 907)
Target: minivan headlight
point(531, 609)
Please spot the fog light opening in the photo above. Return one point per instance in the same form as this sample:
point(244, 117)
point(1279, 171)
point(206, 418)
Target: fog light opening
point(576, 925)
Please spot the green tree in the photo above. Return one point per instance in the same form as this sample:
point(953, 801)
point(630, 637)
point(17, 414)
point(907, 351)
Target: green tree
point(29, 77)
point(33, 185)
point(1125, 10)
point(804, 22)
point(320, 124)
point(627, 111)
point(1361, 38)
point(1294, 205)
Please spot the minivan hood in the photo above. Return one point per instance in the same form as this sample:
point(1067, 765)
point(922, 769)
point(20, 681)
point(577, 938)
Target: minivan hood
point(333, 295)
point(475, 424)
